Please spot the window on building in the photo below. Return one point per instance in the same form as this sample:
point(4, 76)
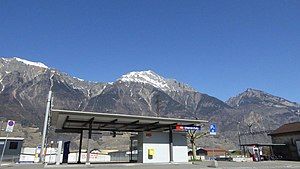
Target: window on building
point(13, 145)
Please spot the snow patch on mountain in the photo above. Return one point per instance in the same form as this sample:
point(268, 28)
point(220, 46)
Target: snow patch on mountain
point(3, 86)
point(148, 77)
point(37, 64)
point(78, 79)
point(152, 78)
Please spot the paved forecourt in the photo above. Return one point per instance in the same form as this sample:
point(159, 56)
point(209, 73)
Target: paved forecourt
point(222, 165)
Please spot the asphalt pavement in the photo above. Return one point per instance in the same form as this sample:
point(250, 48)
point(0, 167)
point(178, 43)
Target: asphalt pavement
point(199, 165)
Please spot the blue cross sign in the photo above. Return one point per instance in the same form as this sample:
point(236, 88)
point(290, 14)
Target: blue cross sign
point(213, 129)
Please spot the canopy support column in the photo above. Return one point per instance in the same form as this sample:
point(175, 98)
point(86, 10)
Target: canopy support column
point(80, 147)
point(171, 143)
point(88, 143)
point(131, 149)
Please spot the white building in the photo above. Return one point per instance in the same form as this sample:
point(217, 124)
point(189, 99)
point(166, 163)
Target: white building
point(154, 147)
point(159, 139)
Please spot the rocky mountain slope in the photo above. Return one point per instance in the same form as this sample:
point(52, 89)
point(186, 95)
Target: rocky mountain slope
point(253, 96)
point(24, 86)
point(264, 110)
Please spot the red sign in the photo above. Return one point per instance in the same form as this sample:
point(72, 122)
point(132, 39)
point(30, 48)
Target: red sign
point(187, 128)
point(179, 128)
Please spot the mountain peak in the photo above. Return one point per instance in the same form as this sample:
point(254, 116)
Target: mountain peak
point(255, 96)
point(251, 90)
point(27, 62)
point(140, 73)
point(148, 77)
point(154, 79)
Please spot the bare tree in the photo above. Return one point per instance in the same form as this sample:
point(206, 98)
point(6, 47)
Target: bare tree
point(193, 135)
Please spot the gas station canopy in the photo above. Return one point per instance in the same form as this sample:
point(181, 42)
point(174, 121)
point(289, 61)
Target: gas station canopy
point(68, 121)
point(262, 144)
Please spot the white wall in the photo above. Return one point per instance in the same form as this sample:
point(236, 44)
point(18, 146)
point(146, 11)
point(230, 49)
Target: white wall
point(159, 141)
point(180, 154)
point(180, 149)
point(28, 155)
point(161, 155)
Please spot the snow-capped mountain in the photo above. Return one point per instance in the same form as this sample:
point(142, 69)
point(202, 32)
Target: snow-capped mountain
point(24, 86)
point(148, 77)
point(37, 64)
point(144, 92)
point(152, 78)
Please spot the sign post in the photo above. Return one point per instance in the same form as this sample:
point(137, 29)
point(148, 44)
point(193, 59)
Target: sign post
point(213, 132)
point(9, 128)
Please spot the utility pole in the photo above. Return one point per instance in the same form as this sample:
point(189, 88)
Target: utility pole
point(42, 154)
point(239, 134)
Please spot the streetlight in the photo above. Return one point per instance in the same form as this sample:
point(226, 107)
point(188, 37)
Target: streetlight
point(48, 107)
point(239, 134)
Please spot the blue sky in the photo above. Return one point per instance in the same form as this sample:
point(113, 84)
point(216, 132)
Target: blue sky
point(219, 47)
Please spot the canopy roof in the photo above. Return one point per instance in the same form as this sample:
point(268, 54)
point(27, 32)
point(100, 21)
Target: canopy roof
point(287, 128)
point(69, 121)
point(12, 138)
point(262, 144)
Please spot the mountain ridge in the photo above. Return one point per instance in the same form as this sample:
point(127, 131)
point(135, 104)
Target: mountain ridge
point(263, 96)
point(24, 88)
